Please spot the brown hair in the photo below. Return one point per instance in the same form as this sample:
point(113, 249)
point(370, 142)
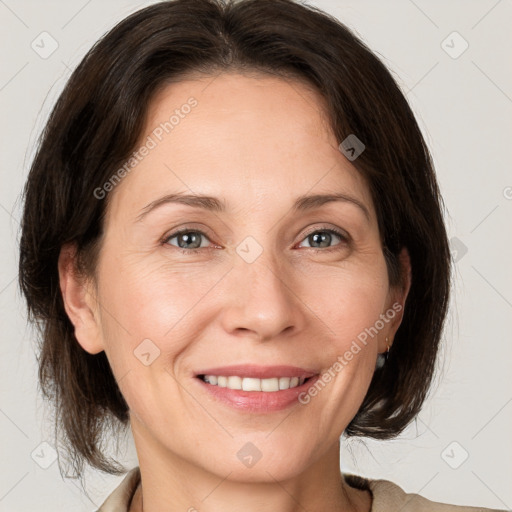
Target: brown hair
point(96, 123)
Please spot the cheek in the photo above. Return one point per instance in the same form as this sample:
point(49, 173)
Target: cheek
point(149, 299)
point(353, 297)
point(151, 313)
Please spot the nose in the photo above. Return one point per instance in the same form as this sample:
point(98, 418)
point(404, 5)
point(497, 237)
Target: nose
point(263, 300)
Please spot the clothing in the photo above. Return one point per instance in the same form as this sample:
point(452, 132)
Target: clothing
point(387, 496)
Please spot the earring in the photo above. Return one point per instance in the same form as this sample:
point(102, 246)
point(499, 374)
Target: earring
point(389, 346)
point(382, 358)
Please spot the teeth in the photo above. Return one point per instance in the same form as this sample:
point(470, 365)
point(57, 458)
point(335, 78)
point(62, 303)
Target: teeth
point(249, 384)
point(233, 382)
point(253, 384)
point(270, 384)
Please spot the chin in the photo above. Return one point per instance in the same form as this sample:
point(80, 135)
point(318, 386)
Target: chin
point(260, 460)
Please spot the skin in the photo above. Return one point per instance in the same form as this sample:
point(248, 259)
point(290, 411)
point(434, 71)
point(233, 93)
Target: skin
point(257, 143)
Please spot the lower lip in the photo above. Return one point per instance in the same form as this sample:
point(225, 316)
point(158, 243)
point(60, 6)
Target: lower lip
point(258, 401)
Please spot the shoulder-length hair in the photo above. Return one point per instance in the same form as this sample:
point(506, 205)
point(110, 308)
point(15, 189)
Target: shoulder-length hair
point(96, 123)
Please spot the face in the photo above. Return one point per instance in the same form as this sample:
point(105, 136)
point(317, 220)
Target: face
point(260, 284)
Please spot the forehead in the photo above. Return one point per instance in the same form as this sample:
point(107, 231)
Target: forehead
point(251, 139)
point(253, 96)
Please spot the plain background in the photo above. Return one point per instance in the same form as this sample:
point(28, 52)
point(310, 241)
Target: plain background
point(460, 449)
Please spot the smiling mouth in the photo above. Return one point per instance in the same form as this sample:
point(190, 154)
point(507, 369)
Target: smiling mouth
point(269, 385)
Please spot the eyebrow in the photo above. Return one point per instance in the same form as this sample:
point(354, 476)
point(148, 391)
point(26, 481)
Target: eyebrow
point(213, 204)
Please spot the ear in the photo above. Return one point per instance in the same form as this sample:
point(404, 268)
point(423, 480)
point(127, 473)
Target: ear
point(80, 301)
point(396, 301)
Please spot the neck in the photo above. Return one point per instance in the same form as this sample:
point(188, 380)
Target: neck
point(168, 482)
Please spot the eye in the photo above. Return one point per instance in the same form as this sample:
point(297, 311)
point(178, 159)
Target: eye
point(187, 239)
point(321, 238)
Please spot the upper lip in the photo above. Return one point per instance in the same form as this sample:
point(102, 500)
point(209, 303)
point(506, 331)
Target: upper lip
point(258, 372)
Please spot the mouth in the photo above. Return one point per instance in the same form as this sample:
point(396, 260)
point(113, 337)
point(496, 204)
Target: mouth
point(268, 385)
point(256, 389)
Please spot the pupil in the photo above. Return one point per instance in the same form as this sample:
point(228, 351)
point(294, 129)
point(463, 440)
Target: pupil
point(324, 236)
point(188, 238)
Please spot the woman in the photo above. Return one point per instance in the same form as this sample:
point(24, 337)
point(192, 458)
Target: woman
point(234, 241)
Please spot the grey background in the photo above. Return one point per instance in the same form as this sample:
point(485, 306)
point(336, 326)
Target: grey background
point(464, 107)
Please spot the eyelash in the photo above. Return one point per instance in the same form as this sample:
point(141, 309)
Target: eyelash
point(345, 239)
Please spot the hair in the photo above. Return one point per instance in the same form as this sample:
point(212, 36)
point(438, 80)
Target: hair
point(95, 125)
